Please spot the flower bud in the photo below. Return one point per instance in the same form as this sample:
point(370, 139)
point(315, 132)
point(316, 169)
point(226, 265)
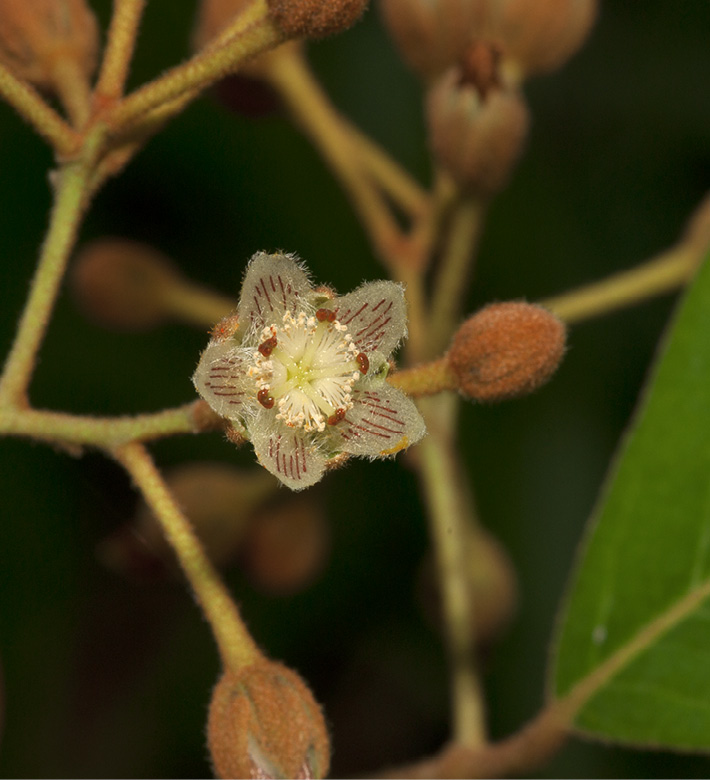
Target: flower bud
point(433, 34)
point(264, 722)
point(122, 284)
point(315, 18)
point(219, 501)
point(540, 35)
point(506, 350)
point(492, 582)
point(476, 138)
point(38, 37)
point(286, 544)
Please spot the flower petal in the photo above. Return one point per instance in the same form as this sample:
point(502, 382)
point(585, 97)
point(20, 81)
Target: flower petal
point(273, 285)
point(382, 422)
point(220, 379)
point(376, 316)
point(288, 453)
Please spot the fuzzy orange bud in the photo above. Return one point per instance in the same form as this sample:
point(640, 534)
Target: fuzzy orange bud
point(540, 35)
point(315, 18)
point(38, 37)
point(476, 137)
point(264, 722)
point(122, 284)
point(506, 350)
point(432, 36)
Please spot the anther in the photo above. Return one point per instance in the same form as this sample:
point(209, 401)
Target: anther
point(362, 362)
point(268, 346)
point(266, 400)
point(325, 315)
point(334, 419)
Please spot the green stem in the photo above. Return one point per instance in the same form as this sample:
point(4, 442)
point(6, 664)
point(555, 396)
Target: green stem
point(448, 517)
point(99, 431)
point(237, 648)
point(34, 110)
point(200, 71)
point(452, 281)
point(120, 44)
point(69, 205)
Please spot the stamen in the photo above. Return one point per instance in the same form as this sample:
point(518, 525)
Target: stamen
point(265, 398)
point(363, 362)
point(268, 346)
point(325, 315)
point(339, 415)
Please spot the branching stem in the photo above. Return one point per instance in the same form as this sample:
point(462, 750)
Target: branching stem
point(120, 45)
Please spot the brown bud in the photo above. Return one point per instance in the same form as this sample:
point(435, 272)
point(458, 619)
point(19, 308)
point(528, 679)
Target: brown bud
point(38, 37)
point(122, 284)
point(540, 35)
point(492, 582)
point(476, 138)
point(506, 350)
point(315, 18)
point(218, 500)
point(264, 722)
point(433, 34)
point(286, 544)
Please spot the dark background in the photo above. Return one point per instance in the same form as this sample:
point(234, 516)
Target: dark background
point(108, 678)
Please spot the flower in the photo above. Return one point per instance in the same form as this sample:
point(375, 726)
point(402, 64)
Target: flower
point(302, 372)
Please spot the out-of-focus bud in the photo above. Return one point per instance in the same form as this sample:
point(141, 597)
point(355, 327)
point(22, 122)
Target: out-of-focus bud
point(218, 500)
point(492, 580)
point(264, 722)
point(40, 37)
point(286, 544)
point(475, 137)
point(506, 350)
point(123, 284)
point(432, 35)
point(540, 35)
point(315, 18)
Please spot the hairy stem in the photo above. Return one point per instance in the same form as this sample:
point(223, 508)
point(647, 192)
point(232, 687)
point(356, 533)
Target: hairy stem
point(104, 431)
point(448, 528)
point(452, 280)
point(69, 204)
point(120, 45)
point(200, 71)
point(237, 648)
point(660, 275)
point(47, 122)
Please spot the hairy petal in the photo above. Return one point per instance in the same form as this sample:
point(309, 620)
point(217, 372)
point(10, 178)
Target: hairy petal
point(382, 422)
point(376, 316)
point(288, 453)
point(273, 285)
point(220, 379)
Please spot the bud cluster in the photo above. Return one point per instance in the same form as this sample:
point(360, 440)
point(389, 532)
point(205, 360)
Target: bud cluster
point(534, 36)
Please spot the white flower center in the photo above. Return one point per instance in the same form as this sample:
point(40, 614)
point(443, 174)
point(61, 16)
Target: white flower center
point(306, 366)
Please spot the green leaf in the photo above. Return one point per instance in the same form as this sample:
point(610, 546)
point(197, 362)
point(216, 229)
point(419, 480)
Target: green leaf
point(633, 655)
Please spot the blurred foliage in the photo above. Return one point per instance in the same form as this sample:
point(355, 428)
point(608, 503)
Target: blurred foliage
point(104, 678)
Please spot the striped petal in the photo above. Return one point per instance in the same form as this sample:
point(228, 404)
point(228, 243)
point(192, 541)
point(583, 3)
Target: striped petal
point(273, 285)
point(382, 422)
point(221, 380)
point(375, 315)
point(288, 453)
